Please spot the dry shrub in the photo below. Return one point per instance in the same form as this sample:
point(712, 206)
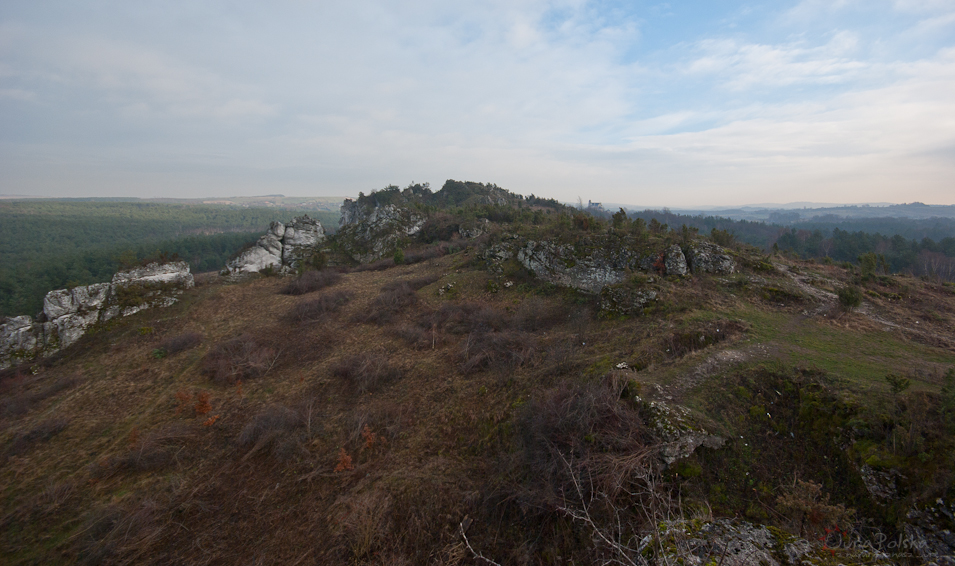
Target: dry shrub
point(114, 530)
point(181, 342)
point(311, 281)
point(498, 350)
point(21, 397)
point(366, 372)
point(536, 314)
point(43, 432)
point(419, 338)
point(380, 265)
point(245, 357)
point(277, 429)
point(391, 300)
point(365, 524)
point(385, 419)
point(151, 451)
point(583, 431)
point(679, 344)
point(417, 256)
point(562, 355)
point(316, 310)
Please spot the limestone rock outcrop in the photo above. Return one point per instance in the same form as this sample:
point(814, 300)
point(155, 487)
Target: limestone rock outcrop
point(368, 233)
point(587, 268)
point(707, 257)
point(68, 313)
point(282, 247)
point(675, 261)
point(599, 264)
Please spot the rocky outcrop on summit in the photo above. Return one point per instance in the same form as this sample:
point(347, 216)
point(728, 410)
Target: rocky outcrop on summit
point(707, 257)
point(675, 261)
point(68, 313)
point(368, 233)
point(598, 262)
point(565, 265)
point(282, 247)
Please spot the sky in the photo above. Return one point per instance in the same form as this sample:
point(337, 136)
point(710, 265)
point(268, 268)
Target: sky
point(681, 104)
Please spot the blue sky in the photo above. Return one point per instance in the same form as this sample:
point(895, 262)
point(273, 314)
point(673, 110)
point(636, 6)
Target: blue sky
point(659, 104)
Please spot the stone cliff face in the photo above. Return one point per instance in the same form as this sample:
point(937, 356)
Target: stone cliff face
point(68, 313)
point(282, 247)
point(368, 233)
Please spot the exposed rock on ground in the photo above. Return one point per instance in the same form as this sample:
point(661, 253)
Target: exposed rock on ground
point(675, 261)
point(282, 247)
point(594, 264)
point(707, 257)
point(738, 543)
point(68, 313)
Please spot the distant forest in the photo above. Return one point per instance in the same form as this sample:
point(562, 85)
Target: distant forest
point(916, 246)
point(56, 244)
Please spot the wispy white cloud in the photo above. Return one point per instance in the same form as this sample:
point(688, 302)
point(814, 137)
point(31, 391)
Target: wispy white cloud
point(551, 97)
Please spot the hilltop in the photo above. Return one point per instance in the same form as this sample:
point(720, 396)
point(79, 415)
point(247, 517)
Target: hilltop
point(477, 377)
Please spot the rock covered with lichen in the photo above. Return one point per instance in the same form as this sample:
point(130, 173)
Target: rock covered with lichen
point(370, 232)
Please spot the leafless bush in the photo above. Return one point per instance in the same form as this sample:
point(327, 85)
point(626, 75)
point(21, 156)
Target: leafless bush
point(417, 256)
point(153, 450)
point(498, 350)
point(244, 357)
point(181, 342)
point(391, 300)
point(561, 355)
point(108, 531)
point(380, 265)
point(416, 283)
point(275, 428)
point(34, 391)
point(366, 523)
point(312, 281)
point(586, 424)
point(464, 318)
point(366, 372)
point(417, 337)
point(679, 344)
point(317, 309)
point(43, 432)
point(536, 314)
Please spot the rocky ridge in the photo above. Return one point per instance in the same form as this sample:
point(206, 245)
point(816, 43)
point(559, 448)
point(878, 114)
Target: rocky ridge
point(68, 313)
point(600, 262)
point(370, 233)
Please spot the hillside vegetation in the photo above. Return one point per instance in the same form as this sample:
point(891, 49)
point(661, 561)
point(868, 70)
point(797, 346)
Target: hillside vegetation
point(55, 244)
point(443, 407)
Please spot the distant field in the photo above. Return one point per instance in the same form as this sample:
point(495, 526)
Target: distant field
point(48, 244)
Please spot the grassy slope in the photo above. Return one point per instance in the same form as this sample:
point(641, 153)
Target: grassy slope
point(135, 475)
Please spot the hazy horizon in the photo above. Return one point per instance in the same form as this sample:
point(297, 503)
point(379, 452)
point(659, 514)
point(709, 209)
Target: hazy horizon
point(683, 105)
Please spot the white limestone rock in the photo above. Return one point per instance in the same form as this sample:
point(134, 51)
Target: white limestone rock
point(302, 236)
point(281, 247)
point(68, 313)
point(675, 261)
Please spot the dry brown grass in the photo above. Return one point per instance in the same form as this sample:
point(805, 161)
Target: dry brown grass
point(452, 442)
